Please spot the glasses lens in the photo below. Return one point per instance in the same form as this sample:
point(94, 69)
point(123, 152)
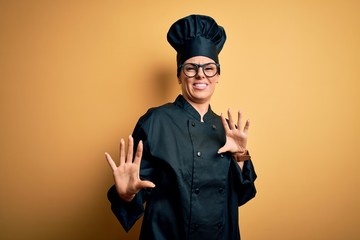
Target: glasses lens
point(210, 69)
point(191, 69)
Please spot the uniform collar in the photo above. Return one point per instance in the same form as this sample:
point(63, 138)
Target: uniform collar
point(182, 103)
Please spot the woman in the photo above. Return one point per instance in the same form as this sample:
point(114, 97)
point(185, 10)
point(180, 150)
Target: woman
point(191, 167)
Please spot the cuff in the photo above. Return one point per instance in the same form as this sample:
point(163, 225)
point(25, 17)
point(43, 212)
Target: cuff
point(241, 157)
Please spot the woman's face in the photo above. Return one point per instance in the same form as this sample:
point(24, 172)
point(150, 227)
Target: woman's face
point(198, 89)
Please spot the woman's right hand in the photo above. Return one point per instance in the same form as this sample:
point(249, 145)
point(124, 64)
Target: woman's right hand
point(126, 176)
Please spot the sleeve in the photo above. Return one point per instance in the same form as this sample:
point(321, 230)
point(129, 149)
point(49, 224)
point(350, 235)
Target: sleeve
point(244, 180)
point(126, 212)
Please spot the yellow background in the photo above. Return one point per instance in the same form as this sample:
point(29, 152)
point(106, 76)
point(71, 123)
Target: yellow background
point(76, 75)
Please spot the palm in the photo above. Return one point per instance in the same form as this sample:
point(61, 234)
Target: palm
point(236, 138)
point(126, 176)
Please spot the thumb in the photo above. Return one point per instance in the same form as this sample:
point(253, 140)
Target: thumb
point(222, 149)
point(146, 184)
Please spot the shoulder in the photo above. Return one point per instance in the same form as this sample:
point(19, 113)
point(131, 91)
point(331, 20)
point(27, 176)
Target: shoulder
point(157, 114)
point(158, 111)
point(154, 120)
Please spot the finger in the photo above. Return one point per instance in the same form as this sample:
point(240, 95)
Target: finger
point(138, 153)
point(129, 156)
point(110, 161)
point(231, 120)
point(146, 184)
point(239, 120)
point(224, 123)
point(246, 127)
point(122, 151)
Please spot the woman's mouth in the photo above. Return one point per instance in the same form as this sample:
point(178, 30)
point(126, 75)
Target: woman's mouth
point(200, 86)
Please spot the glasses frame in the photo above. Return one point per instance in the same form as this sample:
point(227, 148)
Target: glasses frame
point(197, 66)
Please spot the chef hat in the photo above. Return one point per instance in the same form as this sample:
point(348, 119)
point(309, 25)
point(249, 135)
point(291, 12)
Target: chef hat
point(196, 35)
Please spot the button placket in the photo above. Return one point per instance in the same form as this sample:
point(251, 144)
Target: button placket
point(196, 226)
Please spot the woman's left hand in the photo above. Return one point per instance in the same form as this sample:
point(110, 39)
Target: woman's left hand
point(236, 137)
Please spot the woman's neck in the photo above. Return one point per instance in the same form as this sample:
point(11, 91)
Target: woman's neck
point(201, 108)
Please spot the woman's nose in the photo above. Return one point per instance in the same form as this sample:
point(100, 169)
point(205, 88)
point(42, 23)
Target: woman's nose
point(200, 73)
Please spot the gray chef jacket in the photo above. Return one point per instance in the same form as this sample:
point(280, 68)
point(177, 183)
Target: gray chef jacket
point(198, 191)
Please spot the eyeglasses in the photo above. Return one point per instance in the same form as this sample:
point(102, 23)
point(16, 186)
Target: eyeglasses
point(192, 69)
